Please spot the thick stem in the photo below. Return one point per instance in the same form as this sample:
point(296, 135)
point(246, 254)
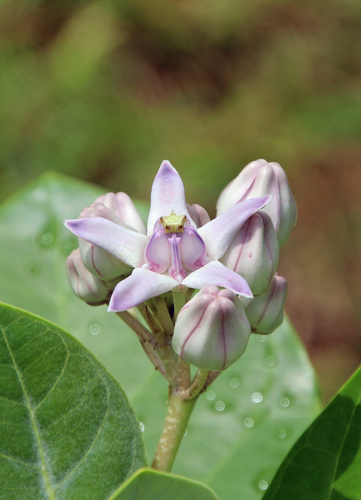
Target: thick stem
point(175, 426)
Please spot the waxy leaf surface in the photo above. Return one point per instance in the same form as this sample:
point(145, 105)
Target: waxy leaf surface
point(67, 429)
point(149, 484)
point(325, 463)
point(241, 429)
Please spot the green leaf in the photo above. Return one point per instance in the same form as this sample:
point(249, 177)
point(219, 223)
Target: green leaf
point(149, 484)
point(325, 463)
point(237, 448)
point(67, 429)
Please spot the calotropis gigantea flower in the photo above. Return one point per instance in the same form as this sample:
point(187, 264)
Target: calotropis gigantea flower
point(259, 178)
point(212, 329)
point(173, 252)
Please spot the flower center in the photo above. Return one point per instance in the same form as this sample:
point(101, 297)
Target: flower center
point(173, 223)
point(175, 247)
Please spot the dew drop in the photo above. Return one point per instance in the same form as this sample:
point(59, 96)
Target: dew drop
point(69, 247)
point(186, 432)
point(262, 484)
point(281, 433)
point(270, 361)
point(31, 271)
point(219, 406)
point(94, 329)
point(141, 425)
point(47, 239)
point(234, 383)
point(248, 422)
point(261, 338)
point(256, 397)
point(284, 402)
point(210, 395)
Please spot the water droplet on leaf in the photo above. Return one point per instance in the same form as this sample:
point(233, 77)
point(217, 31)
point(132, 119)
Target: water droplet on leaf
point(281, 433)
point(94, 329)
point(256, 397)
point(261, 338)
point(219, 406)
point(69, 247)
point(47, 239)
point(234, 383)
point(270, 361)
point(284, 402)
point(262, 484)
point(210, 395)
point(31, 271)
point(248, 422)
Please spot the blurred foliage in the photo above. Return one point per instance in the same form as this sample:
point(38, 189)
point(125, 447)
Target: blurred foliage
point(106, 90)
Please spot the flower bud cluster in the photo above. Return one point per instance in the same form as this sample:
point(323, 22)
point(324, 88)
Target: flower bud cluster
point(212, 329)
point(232, 260)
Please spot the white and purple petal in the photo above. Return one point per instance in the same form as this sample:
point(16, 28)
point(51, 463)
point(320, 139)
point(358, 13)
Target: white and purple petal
point(157, 252)
point(215, 273)
point(219, 232)
point(123, 243)
point(141, 285)
point(167, 195)
point(193, 249)
point(122, 205)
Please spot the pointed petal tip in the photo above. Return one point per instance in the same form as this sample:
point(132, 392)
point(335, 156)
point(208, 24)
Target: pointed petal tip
point(166, 165)
point(70, 224)
point(166, 168)
point(111, 309)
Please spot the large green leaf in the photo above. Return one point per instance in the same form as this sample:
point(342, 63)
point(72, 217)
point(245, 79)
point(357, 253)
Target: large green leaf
point(149, 484)
point(240, 430)
point(67, 429)
point(325, 463)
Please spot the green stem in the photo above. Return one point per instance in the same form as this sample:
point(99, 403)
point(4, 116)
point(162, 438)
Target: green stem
point(175, 426)
point(197, 385)
point(179, 300)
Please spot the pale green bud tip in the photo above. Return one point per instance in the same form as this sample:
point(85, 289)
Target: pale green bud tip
point(212, 329)
point(265, 312)
point(84, 284)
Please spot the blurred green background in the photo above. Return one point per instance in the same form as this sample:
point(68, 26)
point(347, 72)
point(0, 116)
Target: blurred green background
point(104, 91)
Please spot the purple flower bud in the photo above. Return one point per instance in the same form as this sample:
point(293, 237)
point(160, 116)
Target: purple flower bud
point(260, 178)
point(198, 214)
point(98, 261)
point(212, 329)
point(254, 252)
point(265, 312)
point(122, 205)
point(84, 284)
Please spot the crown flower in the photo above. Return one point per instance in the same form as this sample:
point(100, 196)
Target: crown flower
point(174, 253)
